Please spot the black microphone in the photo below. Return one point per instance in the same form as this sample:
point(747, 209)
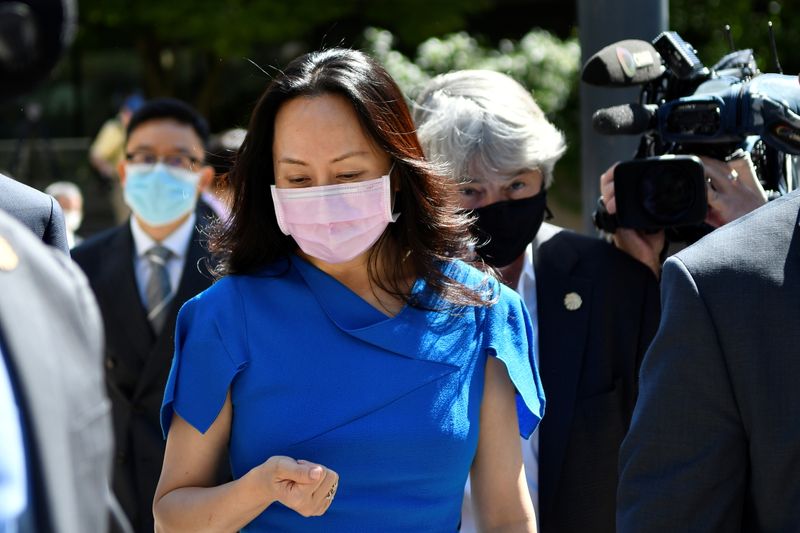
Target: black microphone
point(628, 119)
point(624, 63)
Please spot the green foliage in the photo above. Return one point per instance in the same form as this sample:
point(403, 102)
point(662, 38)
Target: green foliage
point(416, 20)
point(702, 24)
point(190, 48)
point(540, 61)
point(225, 28)
point(235, 27)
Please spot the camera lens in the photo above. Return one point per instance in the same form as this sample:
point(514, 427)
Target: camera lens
point(695, 119)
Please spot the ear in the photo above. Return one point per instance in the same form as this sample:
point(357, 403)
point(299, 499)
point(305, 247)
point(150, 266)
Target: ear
point(206, 177)
point(121, 173)
point(394, 179)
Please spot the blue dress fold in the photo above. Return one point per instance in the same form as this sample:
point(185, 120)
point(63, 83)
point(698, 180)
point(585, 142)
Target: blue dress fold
point(316, 373)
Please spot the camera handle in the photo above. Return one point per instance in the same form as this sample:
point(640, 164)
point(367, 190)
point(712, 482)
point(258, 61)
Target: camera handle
point(603, 220)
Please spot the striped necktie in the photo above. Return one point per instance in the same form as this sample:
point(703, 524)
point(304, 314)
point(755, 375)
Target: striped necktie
point(158, 291)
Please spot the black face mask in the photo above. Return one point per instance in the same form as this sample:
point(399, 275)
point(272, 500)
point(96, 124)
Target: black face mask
point(508, 227)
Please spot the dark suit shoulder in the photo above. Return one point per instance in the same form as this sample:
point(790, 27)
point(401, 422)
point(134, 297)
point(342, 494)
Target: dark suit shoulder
point(91, 251)
point(13, 194)
point(98, 242)
point(38, 211)
point(588, 256)
point(757, 243)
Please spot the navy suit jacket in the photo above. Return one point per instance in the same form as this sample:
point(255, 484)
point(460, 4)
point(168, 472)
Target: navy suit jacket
point(137, 361)
point(36, 210)
point(715, 440)
point(589, 359)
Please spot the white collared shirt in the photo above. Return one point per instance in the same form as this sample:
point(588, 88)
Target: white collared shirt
point(530, 447)
point(13, 467)
point(526, 288)
point(177, 242)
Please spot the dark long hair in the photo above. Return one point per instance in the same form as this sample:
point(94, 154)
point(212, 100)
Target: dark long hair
point(430, 231)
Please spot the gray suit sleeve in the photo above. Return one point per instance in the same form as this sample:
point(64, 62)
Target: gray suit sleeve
point(55, 233)
point(681, 464)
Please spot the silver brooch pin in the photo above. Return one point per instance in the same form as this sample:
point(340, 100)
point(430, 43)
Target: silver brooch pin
point(573, 301)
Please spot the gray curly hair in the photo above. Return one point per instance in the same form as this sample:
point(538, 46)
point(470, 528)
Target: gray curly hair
point(481, 122)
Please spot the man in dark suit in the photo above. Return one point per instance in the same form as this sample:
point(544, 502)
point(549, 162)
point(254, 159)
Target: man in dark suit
point(141, 273)
point(51, 347)
point(36, 210)
point(714, 444)
point(597, 311)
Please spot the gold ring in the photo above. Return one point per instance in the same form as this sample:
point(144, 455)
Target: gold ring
point(331, 492)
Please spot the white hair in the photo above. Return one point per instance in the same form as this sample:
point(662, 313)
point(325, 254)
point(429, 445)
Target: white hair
point(64, 188)
point(481, 122)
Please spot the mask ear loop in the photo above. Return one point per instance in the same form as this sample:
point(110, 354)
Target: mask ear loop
point(393, 194)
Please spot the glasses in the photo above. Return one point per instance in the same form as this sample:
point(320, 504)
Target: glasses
point(182, 161)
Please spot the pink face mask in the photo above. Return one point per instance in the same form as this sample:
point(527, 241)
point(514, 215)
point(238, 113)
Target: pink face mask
point(335, 223)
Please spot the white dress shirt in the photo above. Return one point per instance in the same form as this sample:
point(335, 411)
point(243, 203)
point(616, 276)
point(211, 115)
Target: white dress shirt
point(13, 469)
point(526, 287)
point(177, 242)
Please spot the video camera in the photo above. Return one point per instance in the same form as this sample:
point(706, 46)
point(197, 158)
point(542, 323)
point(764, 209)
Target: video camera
point(687, 109)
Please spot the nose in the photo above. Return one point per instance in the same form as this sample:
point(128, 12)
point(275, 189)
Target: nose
point(490, 196)
point(324, 178)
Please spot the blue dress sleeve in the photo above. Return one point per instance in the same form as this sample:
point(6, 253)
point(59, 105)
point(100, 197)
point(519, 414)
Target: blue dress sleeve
point(210, 349)
point(512, 339)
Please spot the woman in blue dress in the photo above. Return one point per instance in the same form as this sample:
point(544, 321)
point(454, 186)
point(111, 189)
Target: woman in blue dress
point(350, 365)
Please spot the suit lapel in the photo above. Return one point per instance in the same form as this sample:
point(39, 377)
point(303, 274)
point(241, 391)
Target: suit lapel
point(43, 413)
point(118, 295)
point(194, 280)
point(36, 371)
point(562, 344)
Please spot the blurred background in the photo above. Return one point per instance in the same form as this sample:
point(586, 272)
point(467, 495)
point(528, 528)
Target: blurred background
point(218, 55)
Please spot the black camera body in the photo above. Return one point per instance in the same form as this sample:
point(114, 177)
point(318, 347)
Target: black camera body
point(686, 108)
point(660, 192)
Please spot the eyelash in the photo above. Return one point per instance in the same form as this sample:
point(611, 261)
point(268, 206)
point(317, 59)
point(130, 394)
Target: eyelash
point(299, 180)
point(349, 175)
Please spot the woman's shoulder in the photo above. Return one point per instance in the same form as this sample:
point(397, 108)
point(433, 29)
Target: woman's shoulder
point(232, 289)
point(483, 283)
point(466, 274)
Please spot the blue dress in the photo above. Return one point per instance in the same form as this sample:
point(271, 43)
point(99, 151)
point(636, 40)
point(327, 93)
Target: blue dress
point(317, 373)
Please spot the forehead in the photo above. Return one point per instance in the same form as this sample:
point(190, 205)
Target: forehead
point(165, 135)
point(321, 125)
point(66, 200)
point(481, 175)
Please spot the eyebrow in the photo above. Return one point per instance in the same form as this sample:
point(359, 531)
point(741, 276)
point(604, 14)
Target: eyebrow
point(348, 155)
point(503, 179)
point(149, 148)
point(293, 161)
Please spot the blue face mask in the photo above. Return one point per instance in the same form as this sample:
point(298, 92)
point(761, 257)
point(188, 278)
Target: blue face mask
point(160, 195)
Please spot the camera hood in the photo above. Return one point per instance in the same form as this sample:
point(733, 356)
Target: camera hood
point(660, 192)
